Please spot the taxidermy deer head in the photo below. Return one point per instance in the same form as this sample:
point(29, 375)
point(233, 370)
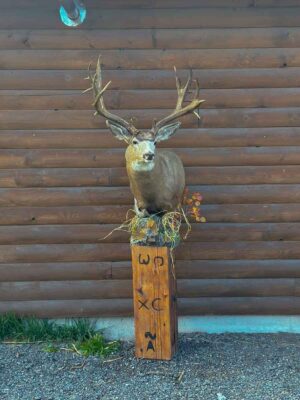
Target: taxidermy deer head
point(157, 177)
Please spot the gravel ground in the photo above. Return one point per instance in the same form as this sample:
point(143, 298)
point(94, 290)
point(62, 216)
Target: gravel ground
point(208, 367)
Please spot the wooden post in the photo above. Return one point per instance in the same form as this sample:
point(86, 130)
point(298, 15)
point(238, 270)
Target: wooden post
point(154, 294)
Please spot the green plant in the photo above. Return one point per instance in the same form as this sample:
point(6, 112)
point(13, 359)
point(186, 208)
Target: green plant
point(31, 329)
point(97, 346)
point(50, 348)
point(81, 334)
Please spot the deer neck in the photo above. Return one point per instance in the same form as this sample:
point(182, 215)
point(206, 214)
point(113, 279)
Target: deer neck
point(141, 172)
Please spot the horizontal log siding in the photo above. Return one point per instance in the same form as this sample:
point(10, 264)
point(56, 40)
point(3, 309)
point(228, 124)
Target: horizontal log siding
point(63, 184)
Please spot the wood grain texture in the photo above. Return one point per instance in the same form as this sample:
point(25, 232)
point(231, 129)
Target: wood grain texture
point(209, 17)
point(148, 316)
point(80, 177)
point(62, 215)
point(113, 160)
point(185, 138)
point(151, 58)
point(68, 79)
point(64, 290)
point(283, 212)
point(150, 38)
point(120, 251)
point(185, 269)
point(220, 194)
point(70, 308)
point(24, 272)
point(289, 305)
point(240, 306)
point(95, 233)
point(148, 99)
point(88, 39)
point(63, 184)
point(210, 118)
point(107, 4)
point(229, 213)
point(154, 301)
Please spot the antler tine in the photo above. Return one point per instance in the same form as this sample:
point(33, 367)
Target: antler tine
point(181, 91)
point(90, 78)
point(98, 97)
point(197, 91)
point(98, 90)
point(98, 74)
point(99, 101)
point(179, 110)
point(177, 80)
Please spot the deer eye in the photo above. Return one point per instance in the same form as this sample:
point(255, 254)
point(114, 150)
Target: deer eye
point(135, 141)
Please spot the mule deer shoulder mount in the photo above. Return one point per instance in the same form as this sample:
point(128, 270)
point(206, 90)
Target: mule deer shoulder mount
point(157, 178)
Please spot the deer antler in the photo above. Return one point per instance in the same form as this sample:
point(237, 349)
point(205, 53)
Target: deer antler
point(98, 103)
point(179, 110)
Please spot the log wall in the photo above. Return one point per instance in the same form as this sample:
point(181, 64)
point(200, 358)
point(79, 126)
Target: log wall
point(63, 184)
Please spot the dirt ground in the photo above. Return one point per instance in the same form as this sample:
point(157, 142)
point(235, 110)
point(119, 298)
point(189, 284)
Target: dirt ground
point(208, 367)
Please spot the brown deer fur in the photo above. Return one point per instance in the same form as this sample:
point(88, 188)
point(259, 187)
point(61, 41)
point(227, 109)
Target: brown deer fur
point(157, 178)
point(167, 178)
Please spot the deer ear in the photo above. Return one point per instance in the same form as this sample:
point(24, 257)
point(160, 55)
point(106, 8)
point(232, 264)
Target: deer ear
point(166, 131)
point(119, 131)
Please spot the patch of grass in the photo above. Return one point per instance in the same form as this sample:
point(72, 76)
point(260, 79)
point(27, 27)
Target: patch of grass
point(85, 339)
point(97, 346)
point(32, 329)
point(50, 348)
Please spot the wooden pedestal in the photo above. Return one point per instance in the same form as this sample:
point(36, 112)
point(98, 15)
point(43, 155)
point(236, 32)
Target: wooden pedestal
point(154, 293)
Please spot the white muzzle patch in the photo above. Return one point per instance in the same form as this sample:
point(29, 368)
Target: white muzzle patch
point(146, 151)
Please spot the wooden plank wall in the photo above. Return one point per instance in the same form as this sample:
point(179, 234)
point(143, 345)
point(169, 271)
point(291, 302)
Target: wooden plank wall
point(62, 177)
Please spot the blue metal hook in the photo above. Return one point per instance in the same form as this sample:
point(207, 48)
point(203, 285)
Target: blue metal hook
point(81, 14)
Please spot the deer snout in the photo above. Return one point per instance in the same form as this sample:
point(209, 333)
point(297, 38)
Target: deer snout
point(148, 156)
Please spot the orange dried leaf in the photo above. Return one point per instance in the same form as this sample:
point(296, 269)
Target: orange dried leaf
point(150, 223)
point(196, 196)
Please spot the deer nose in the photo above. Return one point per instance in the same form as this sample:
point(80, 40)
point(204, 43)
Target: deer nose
point(148, 156)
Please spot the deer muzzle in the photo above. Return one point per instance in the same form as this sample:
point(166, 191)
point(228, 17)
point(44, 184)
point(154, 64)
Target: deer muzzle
point(148, 156)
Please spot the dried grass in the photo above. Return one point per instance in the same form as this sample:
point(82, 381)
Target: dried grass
point(156, 229)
